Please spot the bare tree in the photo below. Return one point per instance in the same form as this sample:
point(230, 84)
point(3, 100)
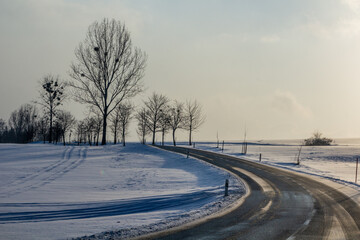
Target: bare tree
point(142, 128)
point(97, 127)
point(80, 130)
point(67, 121)
point(108, 69)
point(115, 124)
point(176, 118)
point(89, 127)
point(154, 105)
point(2, 129)
point(43, 128)
point(24, 122)
point(194, 117)
point(125, 112)
point(164, 122)
point(51, 96)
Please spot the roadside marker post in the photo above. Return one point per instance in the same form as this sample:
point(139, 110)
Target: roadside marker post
point(226, 187)
point(222, 149)
point(260, 158)
point(356, 172)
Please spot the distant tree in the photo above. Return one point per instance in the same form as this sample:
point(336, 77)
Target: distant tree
point(80, 131)
point(97, 127)
point(51, 96)
point(24, 121)
point(142, 128)
point(57, 131)
point(194, 117)
point(2, 130)
point(317, 140)
point(125, 111)
point(108, 69)
point(164, 122)
point(89, 127)
point(176, 118)
point(115, 124)
point(67, 121)
point(154, 106)
point(43, 128)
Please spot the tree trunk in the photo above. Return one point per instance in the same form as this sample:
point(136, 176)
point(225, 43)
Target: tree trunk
point(64, 138)
point(154, 132)
point(51, 127)
point(162, 138)
point(123, 136)
point(174, 137)
point(103, 141)
point(115, 136)
point(190, 131)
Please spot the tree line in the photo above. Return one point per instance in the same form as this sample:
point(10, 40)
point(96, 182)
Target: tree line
point(157, 115)
point(106, 75)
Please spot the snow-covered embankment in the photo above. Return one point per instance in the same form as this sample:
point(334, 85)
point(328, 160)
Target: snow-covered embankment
point(56, 192)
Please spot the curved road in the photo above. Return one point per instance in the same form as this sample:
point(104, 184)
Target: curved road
point(281, 205)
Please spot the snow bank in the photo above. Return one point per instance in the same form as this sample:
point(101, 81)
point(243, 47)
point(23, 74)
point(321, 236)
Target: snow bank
point(57, 192)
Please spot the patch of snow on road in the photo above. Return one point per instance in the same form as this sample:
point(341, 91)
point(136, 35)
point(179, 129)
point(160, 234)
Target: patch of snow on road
point(60, 192)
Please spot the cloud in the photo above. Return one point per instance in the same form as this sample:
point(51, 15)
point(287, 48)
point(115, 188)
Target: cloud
point(270, 38)
point(354, 5)
point(345, 25)
point(287, 103)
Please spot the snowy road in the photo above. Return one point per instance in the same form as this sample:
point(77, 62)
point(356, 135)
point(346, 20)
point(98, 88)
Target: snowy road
point(281, 205)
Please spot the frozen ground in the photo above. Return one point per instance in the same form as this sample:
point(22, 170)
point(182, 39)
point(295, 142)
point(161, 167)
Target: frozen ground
point(336, 162)
point(60, 192)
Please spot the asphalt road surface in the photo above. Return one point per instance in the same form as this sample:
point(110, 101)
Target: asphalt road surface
point(280, 205)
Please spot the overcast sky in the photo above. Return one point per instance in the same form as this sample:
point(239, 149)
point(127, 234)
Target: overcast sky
point(281, 68)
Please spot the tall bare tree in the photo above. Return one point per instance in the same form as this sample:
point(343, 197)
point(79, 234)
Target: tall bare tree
point(176, 115)
point(194, 117)
point(154, 106)
point(142, 128)
point(108, 69)
point(51, 96)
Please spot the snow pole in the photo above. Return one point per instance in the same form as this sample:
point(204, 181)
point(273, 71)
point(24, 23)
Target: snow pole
point(260, 158)
point(226, 187)
point(222, 149)
point(356, 172)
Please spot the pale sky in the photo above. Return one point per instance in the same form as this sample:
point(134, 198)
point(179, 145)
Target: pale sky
point(281, 68)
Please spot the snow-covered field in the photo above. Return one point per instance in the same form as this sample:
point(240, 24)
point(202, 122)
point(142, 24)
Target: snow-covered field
point(336, 162)
point(60, 192)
